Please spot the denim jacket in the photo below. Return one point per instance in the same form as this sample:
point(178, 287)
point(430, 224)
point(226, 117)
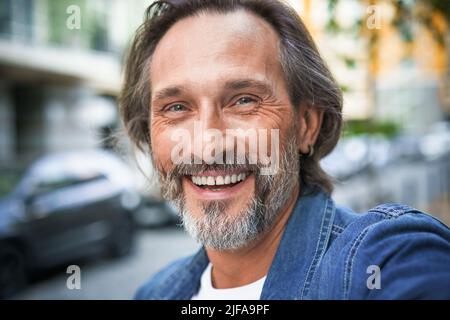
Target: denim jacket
point(329, 252)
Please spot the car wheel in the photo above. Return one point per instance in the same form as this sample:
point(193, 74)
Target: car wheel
point(12, 270)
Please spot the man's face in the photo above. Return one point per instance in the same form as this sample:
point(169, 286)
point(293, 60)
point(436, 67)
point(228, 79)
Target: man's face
point(222, 71)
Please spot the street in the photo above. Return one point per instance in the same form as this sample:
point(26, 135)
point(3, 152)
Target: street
point(117, 279)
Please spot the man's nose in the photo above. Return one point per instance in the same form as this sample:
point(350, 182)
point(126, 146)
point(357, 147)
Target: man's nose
point(211, 117)
point(211, 123)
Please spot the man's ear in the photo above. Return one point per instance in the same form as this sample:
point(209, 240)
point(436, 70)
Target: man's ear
point(310, 120)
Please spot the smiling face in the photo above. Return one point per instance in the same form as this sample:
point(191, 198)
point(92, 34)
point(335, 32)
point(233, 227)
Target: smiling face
point(222, 71)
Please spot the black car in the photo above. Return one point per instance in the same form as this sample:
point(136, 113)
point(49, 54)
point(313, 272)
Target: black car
point(63, 208)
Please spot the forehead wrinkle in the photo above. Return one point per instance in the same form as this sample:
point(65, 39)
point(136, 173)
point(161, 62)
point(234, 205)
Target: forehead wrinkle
point(222, 84)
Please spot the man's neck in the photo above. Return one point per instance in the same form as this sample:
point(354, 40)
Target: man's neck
point(248, 264)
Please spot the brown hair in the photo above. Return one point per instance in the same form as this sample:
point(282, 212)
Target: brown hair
point(308, 78)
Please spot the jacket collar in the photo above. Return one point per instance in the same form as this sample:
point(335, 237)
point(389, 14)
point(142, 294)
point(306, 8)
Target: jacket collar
point(302, 246)
point(304, 242)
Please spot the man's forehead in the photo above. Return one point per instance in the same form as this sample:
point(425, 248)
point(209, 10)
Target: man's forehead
point(240, 24)
point(198, 44)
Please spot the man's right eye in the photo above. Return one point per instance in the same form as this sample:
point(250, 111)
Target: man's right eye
point(177, 107)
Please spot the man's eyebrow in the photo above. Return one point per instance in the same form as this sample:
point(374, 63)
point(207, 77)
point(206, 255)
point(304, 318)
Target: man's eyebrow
point(176, 91)
point(169, 92)
point(249, 83)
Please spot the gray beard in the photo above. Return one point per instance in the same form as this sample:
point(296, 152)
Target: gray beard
point(221, 231)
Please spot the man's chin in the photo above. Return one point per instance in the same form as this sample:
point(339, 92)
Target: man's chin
point(227, 209)
point(216, 225)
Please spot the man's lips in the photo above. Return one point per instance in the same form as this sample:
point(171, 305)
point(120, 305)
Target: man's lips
point(214, 187)
point(219, 179)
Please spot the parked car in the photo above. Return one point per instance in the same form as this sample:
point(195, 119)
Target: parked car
point(62, 208)
point(436, 142)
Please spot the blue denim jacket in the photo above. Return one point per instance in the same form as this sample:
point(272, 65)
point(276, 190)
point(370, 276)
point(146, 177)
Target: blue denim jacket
point(330, 252)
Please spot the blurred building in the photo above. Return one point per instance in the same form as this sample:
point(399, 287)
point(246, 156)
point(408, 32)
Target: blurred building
point(60, 66)
point(392, 79)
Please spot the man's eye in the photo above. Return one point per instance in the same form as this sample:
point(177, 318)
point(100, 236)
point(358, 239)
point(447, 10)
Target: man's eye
point(176, 108)
point(245, 101)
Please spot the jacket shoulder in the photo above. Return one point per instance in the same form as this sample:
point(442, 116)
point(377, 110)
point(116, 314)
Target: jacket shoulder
point(409, 248)
point(347, 222)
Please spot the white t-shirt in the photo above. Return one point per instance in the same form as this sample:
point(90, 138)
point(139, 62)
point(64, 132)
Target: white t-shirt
point(250, 291)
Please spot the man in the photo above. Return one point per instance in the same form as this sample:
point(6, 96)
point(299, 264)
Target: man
point(268, 225)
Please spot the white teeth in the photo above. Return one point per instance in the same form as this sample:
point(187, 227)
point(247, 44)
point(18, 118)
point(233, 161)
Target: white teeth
point(211, 181)
point(219, 180)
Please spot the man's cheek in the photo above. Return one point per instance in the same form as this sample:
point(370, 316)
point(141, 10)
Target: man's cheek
point(174, 142)
point(162, 148)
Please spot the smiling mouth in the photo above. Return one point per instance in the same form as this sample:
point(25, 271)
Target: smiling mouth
point(220, 182)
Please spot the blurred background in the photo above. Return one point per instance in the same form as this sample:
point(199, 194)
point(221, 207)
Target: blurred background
point(73, 192)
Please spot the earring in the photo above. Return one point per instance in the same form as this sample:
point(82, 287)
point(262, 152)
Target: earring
point(311, 150)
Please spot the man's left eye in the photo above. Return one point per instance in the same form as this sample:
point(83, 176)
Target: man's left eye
point(245, 101)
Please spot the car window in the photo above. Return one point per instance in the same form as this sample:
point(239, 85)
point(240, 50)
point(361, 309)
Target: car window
point(63, 182)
